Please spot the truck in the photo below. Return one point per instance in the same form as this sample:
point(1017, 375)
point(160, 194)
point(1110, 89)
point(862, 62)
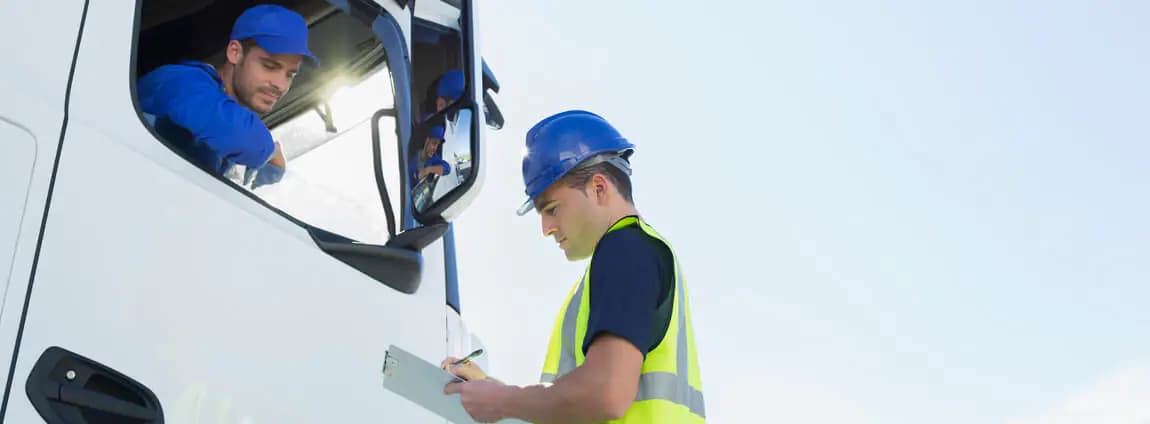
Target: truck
point(139, 287)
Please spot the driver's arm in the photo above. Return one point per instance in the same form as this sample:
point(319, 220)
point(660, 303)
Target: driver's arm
point(233, 132)
point(441, 167)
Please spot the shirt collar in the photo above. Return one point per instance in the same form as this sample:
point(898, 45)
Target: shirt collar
point(211, 70)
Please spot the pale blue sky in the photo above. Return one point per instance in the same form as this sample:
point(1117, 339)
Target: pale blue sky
point(887, 211)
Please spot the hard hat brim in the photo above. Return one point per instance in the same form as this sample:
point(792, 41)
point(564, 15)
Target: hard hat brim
point(618, 160)
point(527, 207)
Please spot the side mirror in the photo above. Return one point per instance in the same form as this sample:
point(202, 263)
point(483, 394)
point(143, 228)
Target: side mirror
point(444, 169)
point(490, 109)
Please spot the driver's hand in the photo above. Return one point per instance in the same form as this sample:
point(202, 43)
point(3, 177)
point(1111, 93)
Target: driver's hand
point(278, 158)
point(468, 370)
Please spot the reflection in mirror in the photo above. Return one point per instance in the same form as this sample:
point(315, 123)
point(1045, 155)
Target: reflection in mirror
point(443, 161)
point(440, 152)
point(330, 181)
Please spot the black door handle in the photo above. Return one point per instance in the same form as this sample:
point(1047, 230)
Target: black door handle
point(66, 388)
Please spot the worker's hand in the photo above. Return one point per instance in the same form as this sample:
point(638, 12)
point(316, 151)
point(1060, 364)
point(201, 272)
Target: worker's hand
point(484, 400)
point(468, 370)
point(278, 158)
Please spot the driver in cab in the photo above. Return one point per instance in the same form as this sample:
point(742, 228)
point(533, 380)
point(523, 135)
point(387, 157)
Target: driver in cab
point(212, 112)
point(427, 161)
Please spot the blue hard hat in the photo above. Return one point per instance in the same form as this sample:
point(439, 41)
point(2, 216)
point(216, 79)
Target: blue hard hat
point(561, 142)
point(450, 85)
point(276, 29)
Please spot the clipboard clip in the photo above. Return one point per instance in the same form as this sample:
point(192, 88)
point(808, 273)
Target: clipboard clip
point(389, 364)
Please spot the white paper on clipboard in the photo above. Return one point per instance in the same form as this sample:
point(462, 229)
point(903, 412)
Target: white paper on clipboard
point(422, 382)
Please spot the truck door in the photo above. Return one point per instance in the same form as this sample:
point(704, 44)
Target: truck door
point(33, 93)
point(164, 292)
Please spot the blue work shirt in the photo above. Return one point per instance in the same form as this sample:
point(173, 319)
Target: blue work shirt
point(632, 282)
point(413, 167)
point(195, 114)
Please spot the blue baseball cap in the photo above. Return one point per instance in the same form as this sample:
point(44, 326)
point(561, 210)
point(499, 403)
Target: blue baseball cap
point(276, 29)
point(436, 132)
point(450, 85)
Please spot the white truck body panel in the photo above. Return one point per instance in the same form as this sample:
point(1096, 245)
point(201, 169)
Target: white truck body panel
point(226, 309)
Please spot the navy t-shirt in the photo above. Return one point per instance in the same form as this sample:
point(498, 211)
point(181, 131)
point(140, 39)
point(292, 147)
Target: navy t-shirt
point(632, 282)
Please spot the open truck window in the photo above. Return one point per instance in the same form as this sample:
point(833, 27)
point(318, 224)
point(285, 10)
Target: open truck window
point(323, 123)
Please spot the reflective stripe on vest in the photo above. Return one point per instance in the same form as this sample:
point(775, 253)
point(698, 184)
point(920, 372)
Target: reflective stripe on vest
point(668, 386)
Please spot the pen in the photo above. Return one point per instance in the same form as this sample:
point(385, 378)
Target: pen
point(469, 357)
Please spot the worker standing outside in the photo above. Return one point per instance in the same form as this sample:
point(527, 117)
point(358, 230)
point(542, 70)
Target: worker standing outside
point(622, 349)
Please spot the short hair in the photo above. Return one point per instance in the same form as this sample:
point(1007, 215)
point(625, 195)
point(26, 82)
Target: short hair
point(248, 43)
point(580, 176)
point(246, 46)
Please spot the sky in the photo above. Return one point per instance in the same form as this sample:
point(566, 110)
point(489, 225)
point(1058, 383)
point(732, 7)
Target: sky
point(886, 211)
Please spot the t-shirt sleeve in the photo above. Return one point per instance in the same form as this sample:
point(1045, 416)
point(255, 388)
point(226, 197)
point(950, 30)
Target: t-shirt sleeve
point(626, 289)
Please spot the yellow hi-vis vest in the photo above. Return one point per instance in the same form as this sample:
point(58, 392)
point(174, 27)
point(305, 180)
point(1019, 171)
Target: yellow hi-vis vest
point(670, 386)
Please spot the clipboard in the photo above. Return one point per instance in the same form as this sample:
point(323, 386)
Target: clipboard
point(422, 382)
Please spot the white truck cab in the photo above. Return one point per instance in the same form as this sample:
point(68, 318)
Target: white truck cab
point(139, 287)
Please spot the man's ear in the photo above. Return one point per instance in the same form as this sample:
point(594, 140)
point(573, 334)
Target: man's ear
point(600, 187)
point(235, 52)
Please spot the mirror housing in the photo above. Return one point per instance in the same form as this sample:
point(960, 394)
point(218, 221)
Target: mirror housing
point(463, 122)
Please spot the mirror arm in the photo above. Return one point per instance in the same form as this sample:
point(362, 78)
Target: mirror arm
point(417, 238)
point(324, 112)
point(397, 267)
point(491, 112)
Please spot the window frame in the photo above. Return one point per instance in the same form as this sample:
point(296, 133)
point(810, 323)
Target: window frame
point(397, 263)
point(366, 11)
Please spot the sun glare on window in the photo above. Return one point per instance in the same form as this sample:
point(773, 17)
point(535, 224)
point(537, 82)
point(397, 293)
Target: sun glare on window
point(353, 104)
